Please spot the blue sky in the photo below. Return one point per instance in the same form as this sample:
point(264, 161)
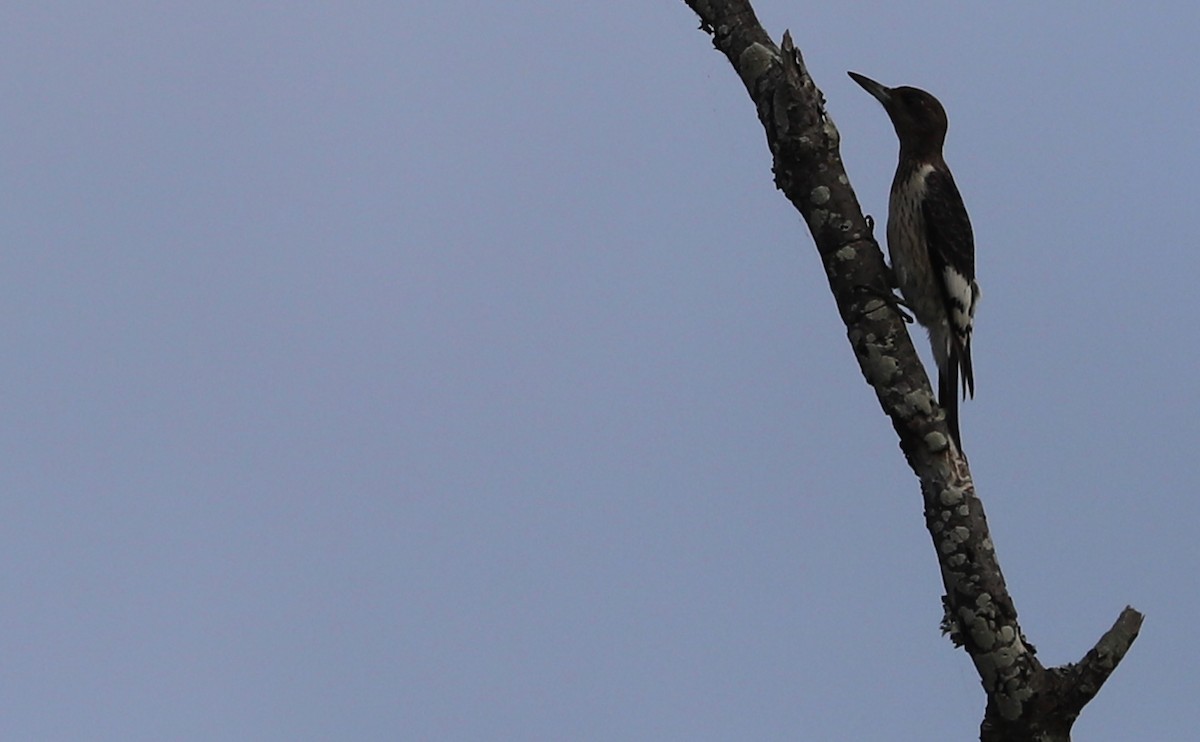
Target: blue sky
point(456, 372)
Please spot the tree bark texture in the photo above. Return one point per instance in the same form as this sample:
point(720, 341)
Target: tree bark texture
point(1025, 701)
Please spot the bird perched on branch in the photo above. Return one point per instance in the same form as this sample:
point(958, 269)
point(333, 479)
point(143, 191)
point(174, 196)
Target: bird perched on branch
point(929, 239)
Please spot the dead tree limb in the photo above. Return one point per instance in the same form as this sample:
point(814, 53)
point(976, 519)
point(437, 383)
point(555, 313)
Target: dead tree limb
point(1025, 701)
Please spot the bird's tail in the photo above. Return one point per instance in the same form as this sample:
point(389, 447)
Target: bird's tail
point(962, 356)
point(948, 399)
point(960, 361)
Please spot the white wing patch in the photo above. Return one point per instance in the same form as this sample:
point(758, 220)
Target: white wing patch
point(962, 294)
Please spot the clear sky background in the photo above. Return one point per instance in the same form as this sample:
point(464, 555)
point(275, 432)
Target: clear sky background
point(454, 371)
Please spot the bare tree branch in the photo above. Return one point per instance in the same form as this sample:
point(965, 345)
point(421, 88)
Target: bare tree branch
point(1026, 701)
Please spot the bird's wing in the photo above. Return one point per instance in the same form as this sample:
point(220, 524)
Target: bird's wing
point(951, 242)
point(952, 254)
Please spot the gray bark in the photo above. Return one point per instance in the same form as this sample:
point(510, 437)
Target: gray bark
point(1025, 701)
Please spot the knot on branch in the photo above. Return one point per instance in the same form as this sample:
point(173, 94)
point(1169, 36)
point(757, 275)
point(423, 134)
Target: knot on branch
point(802, 130)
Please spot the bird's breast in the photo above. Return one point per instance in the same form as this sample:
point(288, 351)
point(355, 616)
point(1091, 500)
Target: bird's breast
point(907, 246)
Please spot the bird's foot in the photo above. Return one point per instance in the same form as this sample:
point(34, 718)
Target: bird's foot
point(888, 298)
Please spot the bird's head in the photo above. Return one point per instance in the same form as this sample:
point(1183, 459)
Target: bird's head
point(919, 118)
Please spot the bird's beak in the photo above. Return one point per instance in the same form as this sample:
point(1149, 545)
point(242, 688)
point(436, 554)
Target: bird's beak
point(882, 93)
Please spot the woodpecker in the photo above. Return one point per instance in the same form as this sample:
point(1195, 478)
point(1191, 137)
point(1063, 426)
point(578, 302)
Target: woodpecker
point(929, 239)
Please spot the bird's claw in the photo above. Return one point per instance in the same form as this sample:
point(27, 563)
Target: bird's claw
point(888, 298)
